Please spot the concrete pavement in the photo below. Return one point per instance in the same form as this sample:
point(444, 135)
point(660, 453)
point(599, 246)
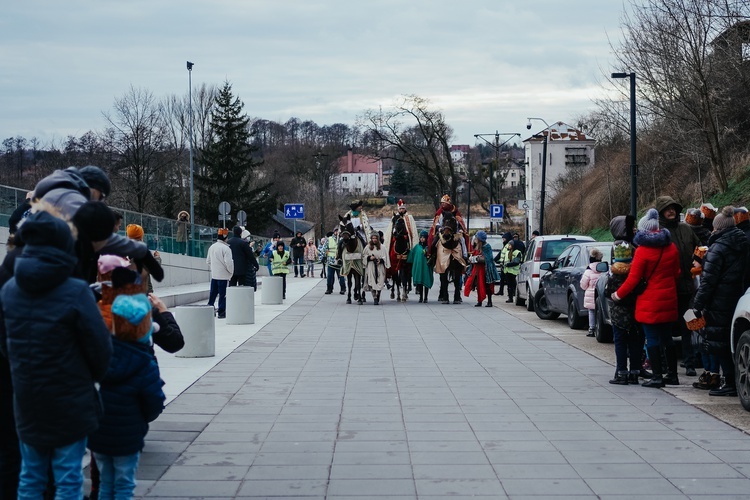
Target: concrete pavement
point(407, 401)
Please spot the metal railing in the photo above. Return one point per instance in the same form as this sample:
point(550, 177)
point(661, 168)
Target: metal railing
point(160, 233)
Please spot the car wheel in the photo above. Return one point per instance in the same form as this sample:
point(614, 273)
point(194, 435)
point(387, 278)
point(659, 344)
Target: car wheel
point(602, 330)
point(519, 300)
point(529, 298)
point(742, 369)
point(575, 322)
point(541, 308)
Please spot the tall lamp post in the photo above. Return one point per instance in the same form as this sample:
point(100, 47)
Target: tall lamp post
point(496, 145)
point(633, 163)
point(543, 189)
point(190, 135)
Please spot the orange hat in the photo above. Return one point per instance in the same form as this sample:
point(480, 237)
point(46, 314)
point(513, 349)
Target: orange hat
point(223, 233)
point(445, 199)
point(709, 211)
point(134, 232)
point(741, 215)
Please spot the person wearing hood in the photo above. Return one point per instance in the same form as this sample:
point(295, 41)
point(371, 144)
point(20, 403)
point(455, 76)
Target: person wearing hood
point(588, 285)
point(54, 361)
point(298, 245)
point(132, 396)
point(722, 285)
point(685, 240)
point(657, 263)
point(421, 272)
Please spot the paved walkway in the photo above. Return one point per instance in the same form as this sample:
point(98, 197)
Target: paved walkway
point(410, 401)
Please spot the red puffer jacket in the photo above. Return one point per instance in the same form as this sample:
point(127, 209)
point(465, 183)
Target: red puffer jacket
point(658, 304)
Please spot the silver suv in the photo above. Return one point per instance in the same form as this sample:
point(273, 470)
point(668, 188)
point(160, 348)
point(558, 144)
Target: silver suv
point(740, 342)
point(545, 248)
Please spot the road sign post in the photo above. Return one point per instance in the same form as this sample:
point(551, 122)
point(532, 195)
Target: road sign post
point(224, 208)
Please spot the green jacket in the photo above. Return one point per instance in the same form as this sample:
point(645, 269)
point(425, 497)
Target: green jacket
point(684, 239)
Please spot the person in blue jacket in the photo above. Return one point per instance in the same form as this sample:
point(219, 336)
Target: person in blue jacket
point(132, 397)
point(57, 346)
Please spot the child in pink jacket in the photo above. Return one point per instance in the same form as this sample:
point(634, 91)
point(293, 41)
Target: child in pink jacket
point(588, 283)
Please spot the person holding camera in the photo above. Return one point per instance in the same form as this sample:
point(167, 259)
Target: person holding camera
point(181, 237)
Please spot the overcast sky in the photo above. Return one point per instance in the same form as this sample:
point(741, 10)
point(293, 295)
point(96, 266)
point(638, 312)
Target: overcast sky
point(486, 64)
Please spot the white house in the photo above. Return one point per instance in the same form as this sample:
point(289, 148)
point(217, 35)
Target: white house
point(358, 174)
point(567, 148)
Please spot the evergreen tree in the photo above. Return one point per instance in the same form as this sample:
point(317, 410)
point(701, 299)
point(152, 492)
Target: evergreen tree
point(228, 169)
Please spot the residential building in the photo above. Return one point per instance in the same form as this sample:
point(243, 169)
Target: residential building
point(568, 149)
point(359, 174)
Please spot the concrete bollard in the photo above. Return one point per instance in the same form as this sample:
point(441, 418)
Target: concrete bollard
point(197, 325)
point(240, 305)
point(271, 290)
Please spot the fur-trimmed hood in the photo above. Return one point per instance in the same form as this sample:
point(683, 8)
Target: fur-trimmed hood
point(660, 238)
point(620, 268)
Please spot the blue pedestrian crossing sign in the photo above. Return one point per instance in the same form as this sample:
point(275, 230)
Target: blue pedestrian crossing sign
point(294, 211)
point(497, 211)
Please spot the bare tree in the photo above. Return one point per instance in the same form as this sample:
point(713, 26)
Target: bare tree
point(417, 135)
point(682, 74)
point(140, 144)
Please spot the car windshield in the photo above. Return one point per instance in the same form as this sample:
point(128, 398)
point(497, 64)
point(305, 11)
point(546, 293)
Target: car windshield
point(553, 248)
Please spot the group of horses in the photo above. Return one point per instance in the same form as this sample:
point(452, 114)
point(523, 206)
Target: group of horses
point(351, 246)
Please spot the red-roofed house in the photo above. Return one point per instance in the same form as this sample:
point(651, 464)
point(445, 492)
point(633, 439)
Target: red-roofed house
point(359, 174)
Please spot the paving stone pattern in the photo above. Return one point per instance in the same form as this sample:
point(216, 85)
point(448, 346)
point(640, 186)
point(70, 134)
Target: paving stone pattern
point(407, 401)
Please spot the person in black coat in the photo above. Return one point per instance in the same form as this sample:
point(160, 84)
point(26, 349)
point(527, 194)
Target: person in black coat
point(242, 256)
point(298, 245)
point(722, 285)
point(56, 354)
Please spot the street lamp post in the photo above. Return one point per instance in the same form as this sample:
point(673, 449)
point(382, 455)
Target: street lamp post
point(497, 147)
point(543, 190)
point(633, 163)
point(190, 136)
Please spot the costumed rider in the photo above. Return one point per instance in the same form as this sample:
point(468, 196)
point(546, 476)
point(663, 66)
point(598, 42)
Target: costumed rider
point(411, 227)
point(449, 260)
point(360, 222)
point(438, 222)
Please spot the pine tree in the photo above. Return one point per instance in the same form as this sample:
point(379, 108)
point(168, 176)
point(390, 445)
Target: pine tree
point(229, 171)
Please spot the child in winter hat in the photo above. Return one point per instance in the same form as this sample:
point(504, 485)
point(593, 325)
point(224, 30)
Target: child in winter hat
point(650, 221)
point(131, 394)
point(131, 318)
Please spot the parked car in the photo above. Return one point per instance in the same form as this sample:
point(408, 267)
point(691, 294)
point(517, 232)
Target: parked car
point(544, 248)
point(740, 341)
point(560, 286)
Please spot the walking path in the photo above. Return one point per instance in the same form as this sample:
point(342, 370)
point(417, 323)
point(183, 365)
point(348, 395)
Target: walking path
point(407, 401)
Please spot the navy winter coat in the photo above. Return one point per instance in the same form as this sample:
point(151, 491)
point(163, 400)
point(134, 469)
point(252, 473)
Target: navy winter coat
point(54, 338)
point(132, 396)
point(722, 281)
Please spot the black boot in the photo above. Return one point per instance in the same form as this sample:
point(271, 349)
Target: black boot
point(489, 301)
point(419, 291)
point(654, 356)
point(621, 378)
point(426, 291)
point(633, 377)
point(671, 355)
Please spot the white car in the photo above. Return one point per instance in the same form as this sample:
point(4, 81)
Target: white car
point(740, 342)
point(544, 248)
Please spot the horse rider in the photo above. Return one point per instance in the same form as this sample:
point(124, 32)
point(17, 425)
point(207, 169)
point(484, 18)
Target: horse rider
point(360, 222)
point(449, 258)
point(446, 206)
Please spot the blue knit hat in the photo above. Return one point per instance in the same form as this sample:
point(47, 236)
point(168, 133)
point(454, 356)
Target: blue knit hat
point(131, 318)
point(482, 236)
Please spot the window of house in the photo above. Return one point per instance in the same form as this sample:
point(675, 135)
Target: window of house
point(512, 183)
point(512, 174)
point(359, 179)
point(343, 179)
